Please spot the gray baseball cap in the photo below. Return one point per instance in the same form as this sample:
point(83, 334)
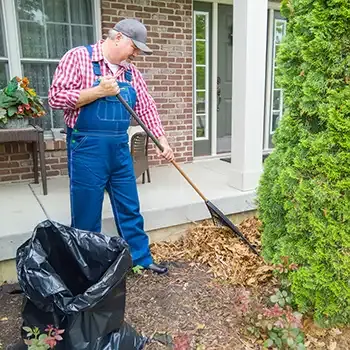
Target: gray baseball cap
point(136, 31)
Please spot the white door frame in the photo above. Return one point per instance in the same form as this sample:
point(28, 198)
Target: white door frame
point(214, 72)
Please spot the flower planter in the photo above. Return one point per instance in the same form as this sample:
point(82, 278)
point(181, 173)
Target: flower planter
point(15, 123)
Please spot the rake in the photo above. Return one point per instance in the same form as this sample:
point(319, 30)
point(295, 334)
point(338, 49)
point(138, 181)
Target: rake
point(218, 217)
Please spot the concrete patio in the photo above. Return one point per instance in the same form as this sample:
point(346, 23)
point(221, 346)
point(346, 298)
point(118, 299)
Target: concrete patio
point(169, 204)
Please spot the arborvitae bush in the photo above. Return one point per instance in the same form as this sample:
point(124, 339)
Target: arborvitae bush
point(304, 193)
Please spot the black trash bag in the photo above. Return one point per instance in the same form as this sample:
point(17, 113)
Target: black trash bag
point(76, 280)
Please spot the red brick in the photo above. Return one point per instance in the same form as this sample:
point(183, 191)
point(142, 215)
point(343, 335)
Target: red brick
point(147, 16)
point(6, 165)
point(134, 7)
point(10, 178)
point(27, 176)
point(59, 166)
point(151, 9)
point(20, 170)
point(20, 156)
point(168, 11)
point(52, 173)
point(158, 4)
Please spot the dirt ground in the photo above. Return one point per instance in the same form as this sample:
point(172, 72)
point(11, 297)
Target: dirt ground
point(187, 305)
point(200, 305)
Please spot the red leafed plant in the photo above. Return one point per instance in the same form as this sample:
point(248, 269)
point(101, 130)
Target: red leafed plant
point(38, 341)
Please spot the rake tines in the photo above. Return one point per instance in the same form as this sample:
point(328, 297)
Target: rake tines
point(220, 219)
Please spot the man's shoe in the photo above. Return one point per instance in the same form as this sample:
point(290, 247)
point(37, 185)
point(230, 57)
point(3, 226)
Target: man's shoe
point(159, 269)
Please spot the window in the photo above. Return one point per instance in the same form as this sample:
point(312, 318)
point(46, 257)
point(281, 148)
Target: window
point(275, 102)
point(201, 77)
point(3, 53)
point(46, 30)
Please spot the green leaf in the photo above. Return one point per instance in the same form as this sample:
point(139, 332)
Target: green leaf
point(268, 343)
point(284, 293)
point(21, 96)
point(301, 347)
point(27, 329)
point(6, 101)
point(274, 298)
point(42, 336)
point(295, 332)
point(137, 269)
point(290, 341)
point(12, 86)
point(278, 342)
point(300, 338)
point(11, 111)
point(273, 335)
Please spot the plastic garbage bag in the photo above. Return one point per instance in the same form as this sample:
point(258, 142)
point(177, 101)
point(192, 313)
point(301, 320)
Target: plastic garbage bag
point(76, 281)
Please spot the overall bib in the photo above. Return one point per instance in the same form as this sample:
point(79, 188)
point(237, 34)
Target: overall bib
point(99, 159)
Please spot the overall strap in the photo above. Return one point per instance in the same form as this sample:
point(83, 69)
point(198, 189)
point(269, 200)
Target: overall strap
point(96, 65)
point(128, 75)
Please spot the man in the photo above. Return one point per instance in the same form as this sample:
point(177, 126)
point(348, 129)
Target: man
point(85, 85)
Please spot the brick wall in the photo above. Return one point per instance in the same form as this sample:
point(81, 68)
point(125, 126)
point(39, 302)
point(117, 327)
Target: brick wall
point(16, 161)
point(168, 72)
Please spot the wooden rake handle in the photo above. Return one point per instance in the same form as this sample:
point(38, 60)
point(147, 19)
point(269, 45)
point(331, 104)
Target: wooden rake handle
point(157, 143)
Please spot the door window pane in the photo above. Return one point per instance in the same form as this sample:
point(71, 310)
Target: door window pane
point(201, 23)
point(200, 126)
point(200, 105)
point(200, 52)
point(200, 78)
point(276, 111)
point(201, 74)
point(48, 29)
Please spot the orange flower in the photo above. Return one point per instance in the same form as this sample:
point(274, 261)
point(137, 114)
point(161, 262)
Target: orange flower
point(25, 83)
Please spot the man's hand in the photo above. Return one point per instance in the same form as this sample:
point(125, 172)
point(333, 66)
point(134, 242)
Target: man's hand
point(108, 86)
point(168, 152)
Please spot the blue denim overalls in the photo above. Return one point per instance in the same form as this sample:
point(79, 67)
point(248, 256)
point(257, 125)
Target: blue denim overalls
point(99, 159)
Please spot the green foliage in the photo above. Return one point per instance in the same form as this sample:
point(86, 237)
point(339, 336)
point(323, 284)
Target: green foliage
point(18, 100)
point(304, 193)
point(42, 341)
point(137, 270)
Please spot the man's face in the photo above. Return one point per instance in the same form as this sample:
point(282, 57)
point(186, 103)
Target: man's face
point(125, 48)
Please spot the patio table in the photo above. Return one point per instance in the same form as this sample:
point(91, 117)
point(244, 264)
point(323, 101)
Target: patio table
point(35, 135)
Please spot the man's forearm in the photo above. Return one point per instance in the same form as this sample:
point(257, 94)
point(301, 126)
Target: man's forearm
point(88, 95)
point(163, 140)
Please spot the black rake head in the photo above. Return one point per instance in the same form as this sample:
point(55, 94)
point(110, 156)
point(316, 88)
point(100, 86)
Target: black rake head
point(220, 219)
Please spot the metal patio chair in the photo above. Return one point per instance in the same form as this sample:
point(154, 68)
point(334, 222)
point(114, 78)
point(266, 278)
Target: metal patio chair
point(139, 153)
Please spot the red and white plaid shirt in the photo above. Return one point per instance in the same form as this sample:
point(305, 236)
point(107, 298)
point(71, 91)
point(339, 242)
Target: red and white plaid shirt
point(75, 72)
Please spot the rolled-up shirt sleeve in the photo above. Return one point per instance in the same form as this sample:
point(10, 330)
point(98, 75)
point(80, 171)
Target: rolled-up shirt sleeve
point(145, 106)
point(65, 89)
